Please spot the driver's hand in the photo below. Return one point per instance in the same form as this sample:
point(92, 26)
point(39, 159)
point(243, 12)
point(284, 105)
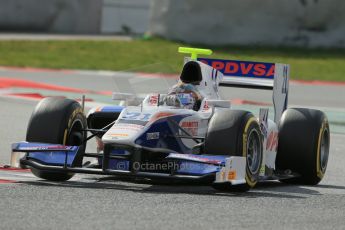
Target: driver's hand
point(172, 100)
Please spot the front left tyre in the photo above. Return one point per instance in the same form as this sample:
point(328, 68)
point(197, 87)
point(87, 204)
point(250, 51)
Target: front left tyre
point(57, 121)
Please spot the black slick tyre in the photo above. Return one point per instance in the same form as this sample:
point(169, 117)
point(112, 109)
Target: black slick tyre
point(57, 121)
point(236, 133)
point(303, 148)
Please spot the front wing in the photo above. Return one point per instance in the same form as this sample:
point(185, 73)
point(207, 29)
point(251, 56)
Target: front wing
point(131, 162)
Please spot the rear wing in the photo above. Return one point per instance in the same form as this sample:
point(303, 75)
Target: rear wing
point(256, 75)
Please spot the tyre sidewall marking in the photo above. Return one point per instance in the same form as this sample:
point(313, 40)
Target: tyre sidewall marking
point(249, 180)
point(70, 122)
point(319, 171)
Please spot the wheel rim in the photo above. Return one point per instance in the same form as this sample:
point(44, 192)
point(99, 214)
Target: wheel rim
point(254, 152)
point(75, 135)
point(324, 150)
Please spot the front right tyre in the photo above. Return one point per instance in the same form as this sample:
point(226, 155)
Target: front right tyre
point(57, 121)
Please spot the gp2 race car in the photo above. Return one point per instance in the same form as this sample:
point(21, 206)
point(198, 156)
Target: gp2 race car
point(213, 143)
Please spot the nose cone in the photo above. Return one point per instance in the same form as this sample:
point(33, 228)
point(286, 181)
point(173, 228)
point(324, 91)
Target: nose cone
point(122, 133)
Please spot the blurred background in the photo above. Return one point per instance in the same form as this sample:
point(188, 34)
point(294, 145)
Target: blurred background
point(75, 16)
point(306, 23)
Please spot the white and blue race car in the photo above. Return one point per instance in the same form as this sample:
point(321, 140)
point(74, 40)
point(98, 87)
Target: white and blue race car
point(211, 142)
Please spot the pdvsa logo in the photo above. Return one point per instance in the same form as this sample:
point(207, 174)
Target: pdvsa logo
point(242, 68)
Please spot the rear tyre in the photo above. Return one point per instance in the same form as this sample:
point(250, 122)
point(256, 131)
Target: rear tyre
point(304, 140)
point(57, 121)
point(236, 133)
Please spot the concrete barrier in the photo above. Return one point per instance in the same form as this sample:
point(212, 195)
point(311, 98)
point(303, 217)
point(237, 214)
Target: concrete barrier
point(58, 16)
point(311, 23)
point(125, 16)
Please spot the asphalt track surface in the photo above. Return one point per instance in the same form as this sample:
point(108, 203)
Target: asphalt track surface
point(99, 202)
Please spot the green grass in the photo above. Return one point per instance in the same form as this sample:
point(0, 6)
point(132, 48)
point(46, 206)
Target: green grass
point(306, 64)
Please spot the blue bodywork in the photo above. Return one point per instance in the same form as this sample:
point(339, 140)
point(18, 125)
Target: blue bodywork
point(50, 154)
point(112, 109)
point(55, 155)
point(185, 163)
point(166, 139)
point(192, 164)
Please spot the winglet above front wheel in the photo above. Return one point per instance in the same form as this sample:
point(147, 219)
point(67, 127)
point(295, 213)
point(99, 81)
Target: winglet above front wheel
point(194, 52)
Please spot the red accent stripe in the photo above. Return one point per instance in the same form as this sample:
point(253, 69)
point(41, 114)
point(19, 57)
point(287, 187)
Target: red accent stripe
point(248, 102)
point(107, 93)
point(14, 169)
point(15, 83)
point(2, 181)
point(27, 95)
point(20, 83)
